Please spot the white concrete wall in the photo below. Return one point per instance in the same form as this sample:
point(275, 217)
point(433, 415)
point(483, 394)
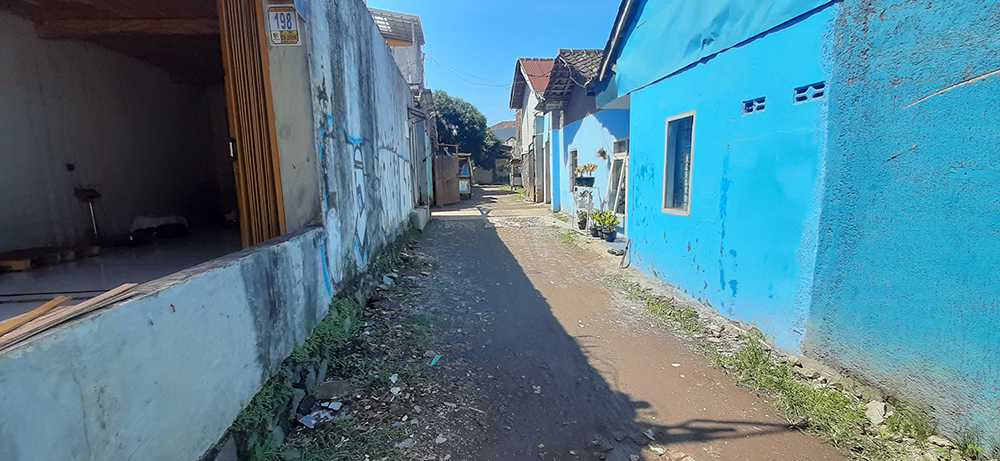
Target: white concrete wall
point(162, 376)
point(299, 164)
point(360, 102)
point(132, 133)
point(410, 61)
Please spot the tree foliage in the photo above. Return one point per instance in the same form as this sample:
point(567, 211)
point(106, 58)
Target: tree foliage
point(460, 123)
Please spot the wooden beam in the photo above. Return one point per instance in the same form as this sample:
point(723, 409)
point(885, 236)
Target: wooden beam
point(69, 28)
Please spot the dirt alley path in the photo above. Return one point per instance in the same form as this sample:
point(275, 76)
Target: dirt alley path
point(542, 358)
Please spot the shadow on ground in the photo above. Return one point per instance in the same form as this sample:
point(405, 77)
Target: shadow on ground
point(539, 396)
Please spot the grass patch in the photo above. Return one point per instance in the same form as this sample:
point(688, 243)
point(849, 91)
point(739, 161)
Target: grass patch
point(343, 440)
point(827, 412)
point(517, 192)
point(568, 236)
point(561, 216)
point(682, 317)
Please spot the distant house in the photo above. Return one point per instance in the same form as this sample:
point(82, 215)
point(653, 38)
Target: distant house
point(531, 76)
point(818, 169)
point(505, 130)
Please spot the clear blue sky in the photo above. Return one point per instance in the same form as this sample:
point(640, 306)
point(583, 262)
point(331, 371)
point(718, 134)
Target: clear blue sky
point(485, 37)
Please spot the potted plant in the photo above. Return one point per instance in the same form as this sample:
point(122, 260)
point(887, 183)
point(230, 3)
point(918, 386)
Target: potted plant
point(608, 224)
point(584, 173)
point(595, 227)
point(581, 219)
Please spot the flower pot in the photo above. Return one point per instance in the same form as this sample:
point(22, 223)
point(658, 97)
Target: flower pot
point(585, 182)
point(610, 236)
point(582, 224)
point(595, 232)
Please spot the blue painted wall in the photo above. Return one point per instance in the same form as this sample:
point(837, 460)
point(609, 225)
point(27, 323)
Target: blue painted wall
point(685, 32)
point(748, 247)
point(906, 277)
point(595, 131)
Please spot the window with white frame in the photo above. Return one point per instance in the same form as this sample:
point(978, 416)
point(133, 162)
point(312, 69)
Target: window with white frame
point(677, 164)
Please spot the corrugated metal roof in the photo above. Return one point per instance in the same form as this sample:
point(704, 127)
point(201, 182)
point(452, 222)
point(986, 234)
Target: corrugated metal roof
point(529, 71)
point(400, 29)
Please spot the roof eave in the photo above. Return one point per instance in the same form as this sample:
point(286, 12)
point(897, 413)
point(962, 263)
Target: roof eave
point(625, 11)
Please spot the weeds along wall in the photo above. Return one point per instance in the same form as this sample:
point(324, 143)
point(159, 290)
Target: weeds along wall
point(748, 245)
point(362, 134)
point(906, 274)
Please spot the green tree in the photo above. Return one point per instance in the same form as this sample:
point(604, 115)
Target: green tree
point(460, 123)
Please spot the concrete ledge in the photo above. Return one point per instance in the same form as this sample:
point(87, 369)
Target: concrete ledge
point(162, 376)
point(419, 217)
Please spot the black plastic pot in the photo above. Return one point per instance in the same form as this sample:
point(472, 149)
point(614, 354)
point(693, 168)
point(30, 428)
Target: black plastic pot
point(595, 232)
point(610, 236)
point(585, 182)
point(582, 224)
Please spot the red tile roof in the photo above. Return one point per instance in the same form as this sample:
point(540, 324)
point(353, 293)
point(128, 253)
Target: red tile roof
point(504, 124)
point(537, 70)
point(529, 71)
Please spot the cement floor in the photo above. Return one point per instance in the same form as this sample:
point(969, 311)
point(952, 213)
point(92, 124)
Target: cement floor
point(82, 279)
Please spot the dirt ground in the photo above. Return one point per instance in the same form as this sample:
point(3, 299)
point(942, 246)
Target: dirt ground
point(541, 359)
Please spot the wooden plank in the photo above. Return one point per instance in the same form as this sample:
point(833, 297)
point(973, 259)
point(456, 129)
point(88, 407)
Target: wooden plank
point(62, 315)
point(15, 265)
point(13, 323)
point(68, 28)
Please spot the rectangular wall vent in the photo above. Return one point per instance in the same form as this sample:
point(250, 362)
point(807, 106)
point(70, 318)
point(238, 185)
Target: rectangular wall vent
point(753, 105)
point(813, 91)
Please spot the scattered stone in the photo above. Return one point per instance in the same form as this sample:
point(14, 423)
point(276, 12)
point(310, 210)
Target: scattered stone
point(425, 273)
point(450, 405)
point(394, 378)
point(649, 435)
point(675, 455)
point(297, 396)
point(541, 445)
point(228, 452)
point(404, 444)
point(633, 457)
point(429, 354)
point(335, 406)
point(604, 446)
point(675, 365)
point(308, 421)
point(386, 280)
point(306, 405)
point(440, 440)
point(572, 452)
point(875, 412)
point(332, 389)
point(940, 441)
point(658, 450)
point(392, 275)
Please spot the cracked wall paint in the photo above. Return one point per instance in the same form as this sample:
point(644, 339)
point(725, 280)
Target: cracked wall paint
point(906, 286)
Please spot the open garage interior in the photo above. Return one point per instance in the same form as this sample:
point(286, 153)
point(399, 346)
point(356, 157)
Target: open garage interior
point(116, 159)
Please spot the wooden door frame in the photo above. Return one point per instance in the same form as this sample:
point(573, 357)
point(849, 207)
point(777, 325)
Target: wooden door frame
point(248, 234)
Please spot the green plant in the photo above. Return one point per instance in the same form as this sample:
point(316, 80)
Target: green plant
point(606, 220)
point(585, 194)
point(582, 216)
point(567, 237)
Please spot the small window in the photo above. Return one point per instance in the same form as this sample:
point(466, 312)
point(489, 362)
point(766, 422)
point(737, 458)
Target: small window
point(805, 93)
point(621, 146)
point(573, 160)
point(753, 105)
point(677, 164)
